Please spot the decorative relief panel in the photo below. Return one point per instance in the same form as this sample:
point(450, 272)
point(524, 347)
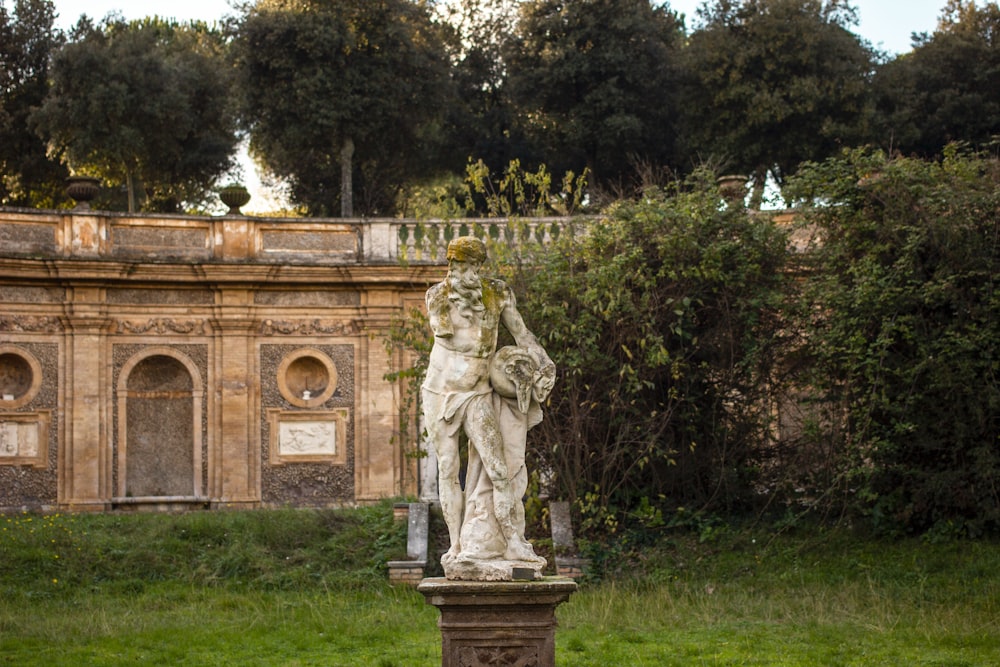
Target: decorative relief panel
point(308, 437)
point(24, 438)
point(161, 326)
point(498, 656)
point(309, 328)
point(30, 323)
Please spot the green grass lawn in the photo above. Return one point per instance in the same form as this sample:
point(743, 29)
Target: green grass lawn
point(287, 587)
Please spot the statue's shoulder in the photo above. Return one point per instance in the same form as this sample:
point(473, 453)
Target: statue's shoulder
point(436, 293)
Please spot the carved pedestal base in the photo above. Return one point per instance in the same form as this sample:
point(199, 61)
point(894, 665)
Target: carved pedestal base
point(497, 623)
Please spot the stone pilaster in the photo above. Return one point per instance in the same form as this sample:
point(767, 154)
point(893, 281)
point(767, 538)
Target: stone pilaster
point(84, 462)
point(236, 459)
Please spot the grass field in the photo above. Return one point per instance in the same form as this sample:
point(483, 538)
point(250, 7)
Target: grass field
point(304, 587)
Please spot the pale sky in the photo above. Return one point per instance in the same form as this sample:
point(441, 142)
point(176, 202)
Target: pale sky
point(887, 24)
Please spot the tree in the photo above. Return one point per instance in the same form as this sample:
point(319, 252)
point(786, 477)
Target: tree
point(27, 40)
point(594, 83)
point(902, 317)
point(482, 120)
point(948, 87)
point(772, 83)
point(341, 92)
point(146, 103)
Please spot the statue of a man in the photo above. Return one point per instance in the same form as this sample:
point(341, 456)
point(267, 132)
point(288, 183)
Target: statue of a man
point(494, 398)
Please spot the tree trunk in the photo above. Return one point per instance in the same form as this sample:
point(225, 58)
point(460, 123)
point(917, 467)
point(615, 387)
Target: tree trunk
point(346, 178)
point(130, 189)
point(759, 181)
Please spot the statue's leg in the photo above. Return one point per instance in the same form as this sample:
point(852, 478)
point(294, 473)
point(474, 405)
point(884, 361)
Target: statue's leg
point(449, 486)
point(483, 429)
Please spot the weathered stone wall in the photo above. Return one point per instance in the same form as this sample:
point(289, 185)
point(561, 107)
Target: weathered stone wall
point(31, 484)
point(244, 318)
point(309, 482)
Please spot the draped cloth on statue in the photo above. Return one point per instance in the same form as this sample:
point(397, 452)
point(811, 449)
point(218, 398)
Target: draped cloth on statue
point(481, 536)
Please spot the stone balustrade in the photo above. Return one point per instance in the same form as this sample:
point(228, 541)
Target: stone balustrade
point(86, 234)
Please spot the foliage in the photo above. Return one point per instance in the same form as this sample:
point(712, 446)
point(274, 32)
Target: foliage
point(661, 317)
point(771, 83)
point(594, 83)
point(319, 79)
point(481, 119)
point(522, 193)
point(902, 319)
point(27, 39)
point(145, 103)
point(947, 88)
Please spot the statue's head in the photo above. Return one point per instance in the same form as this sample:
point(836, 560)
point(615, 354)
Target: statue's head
point(467, 249)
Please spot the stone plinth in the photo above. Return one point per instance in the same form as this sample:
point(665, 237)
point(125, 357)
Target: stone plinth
point(408, 572)
point(497, 623)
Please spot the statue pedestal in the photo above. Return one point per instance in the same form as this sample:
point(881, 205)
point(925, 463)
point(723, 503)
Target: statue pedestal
point(497, 622)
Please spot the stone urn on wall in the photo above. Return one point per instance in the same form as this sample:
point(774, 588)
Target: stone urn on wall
point(83, 190)
point(234, 196)
point(733, 187)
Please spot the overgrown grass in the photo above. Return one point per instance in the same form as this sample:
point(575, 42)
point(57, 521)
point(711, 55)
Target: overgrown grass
point(306, 587)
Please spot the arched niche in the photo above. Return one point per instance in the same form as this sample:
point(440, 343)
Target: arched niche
point(159, 426)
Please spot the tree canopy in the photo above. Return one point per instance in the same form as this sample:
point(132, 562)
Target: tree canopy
point(595, 83)
point(353, 103)
point(27, 40)
point(146, 103)
point(947, 88)
point(338, 90)
point(771, 83)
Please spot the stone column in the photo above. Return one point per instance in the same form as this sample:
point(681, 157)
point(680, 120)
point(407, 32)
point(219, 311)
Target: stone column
point(497, 623)
point(236, 461)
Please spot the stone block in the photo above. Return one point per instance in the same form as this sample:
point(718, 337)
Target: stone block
point(407, 572)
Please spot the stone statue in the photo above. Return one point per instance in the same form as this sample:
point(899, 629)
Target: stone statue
point(493, 397)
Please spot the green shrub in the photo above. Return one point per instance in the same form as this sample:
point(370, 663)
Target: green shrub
point(902, 317)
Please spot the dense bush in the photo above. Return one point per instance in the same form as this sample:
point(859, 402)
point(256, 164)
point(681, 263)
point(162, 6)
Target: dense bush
point(661, 317)
point(902, 318)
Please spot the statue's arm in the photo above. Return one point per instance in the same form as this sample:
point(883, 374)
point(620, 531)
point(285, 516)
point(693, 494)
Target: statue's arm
point(512, 319)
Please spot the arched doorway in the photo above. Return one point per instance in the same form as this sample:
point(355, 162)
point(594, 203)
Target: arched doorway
point(159, 427)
